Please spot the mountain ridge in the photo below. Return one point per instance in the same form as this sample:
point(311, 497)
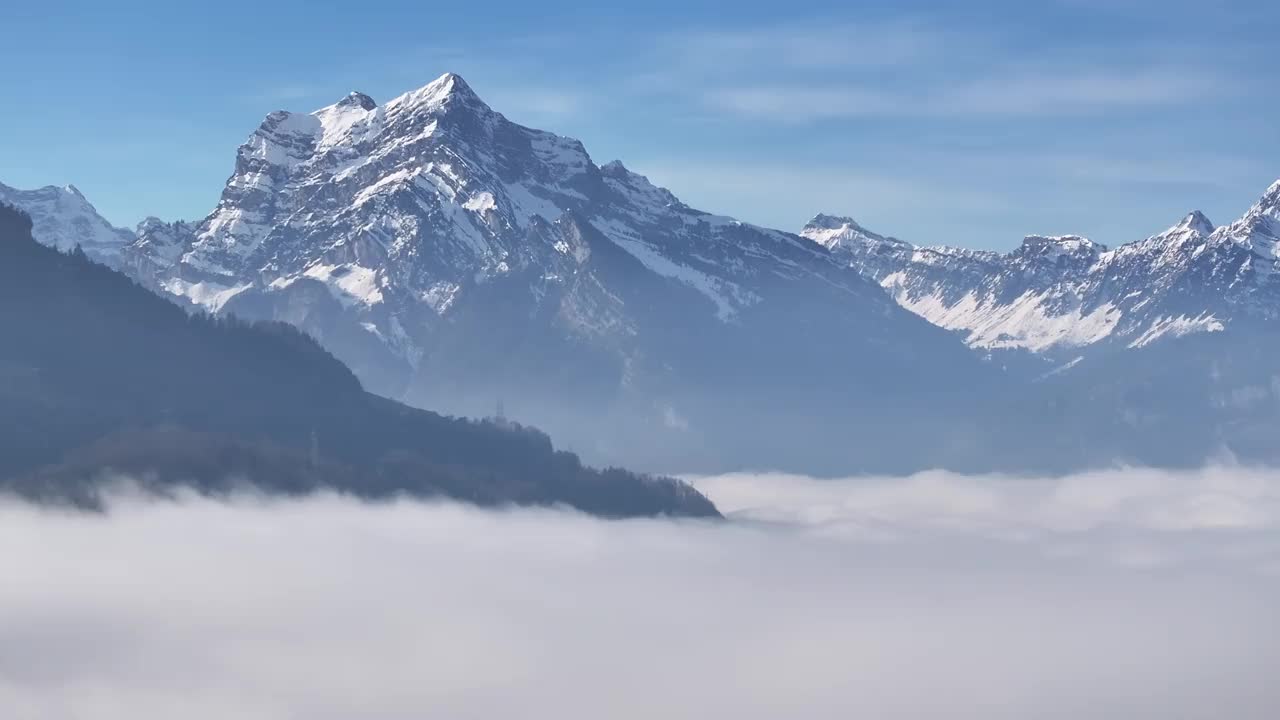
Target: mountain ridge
point(1057, 295)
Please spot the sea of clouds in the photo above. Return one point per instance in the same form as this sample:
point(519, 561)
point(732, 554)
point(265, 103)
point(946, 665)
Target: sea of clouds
point(1122, 594)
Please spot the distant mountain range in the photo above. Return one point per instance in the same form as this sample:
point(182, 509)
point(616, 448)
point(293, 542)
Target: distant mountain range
point(1060, 296)
point(458, 260)
point(1165, 350)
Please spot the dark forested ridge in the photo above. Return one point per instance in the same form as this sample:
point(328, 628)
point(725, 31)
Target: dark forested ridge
point(98, 375)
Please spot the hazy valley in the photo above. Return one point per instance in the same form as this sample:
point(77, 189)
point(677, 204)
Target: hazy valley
point(827, 360)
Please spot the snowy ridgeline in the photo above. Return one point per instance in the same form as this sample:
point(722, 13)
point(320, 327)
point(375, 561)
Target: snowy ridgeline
point(1059, 294)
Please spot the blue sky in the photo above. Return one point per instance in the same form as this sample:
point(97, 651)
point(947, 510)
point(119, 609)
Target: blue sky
point(965, 123)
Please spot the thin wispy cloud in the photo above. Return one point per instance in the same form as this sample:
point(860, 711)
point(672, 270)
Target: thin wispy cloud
point(839, 68)
point(1190, 169)
point(1048, 93)
point(822, 44)
point(790, 105)
point(1085, 91)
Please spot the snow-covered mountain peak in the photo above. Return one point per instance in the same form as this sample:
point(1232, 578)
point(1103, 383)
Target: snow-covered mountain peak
point(149, 223)
point(832, 231)
point(345, 122)
point(1271, 197)
point(1064, 243)
point(1258, 230)
point(433, 173)
point(1059, 251)
point(638, 189)
point(62, 218)
point(615, 169)
point(831, 222)
point(1184, 237)
point(1267, 211)
point(355, 98)
point(1268, 204)
point(445, 92)
point(1263, 215)
point(1197, 222)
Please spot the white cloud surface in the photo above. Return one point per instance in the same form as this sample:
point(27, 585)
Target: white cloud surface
point(1046, 92)
point(1126, 594)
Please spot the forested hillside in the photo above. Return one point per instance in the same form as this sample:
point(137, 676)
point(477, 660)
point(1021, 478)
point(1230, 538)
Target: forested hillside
point(99, 375)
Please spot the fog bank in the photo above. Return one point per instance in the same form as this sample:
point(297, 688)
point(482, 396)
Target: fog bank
point(1127, 594)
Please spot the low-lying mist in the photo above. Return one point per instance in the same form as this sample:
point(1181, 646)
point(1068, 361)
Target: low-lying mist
point(1123, 594)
